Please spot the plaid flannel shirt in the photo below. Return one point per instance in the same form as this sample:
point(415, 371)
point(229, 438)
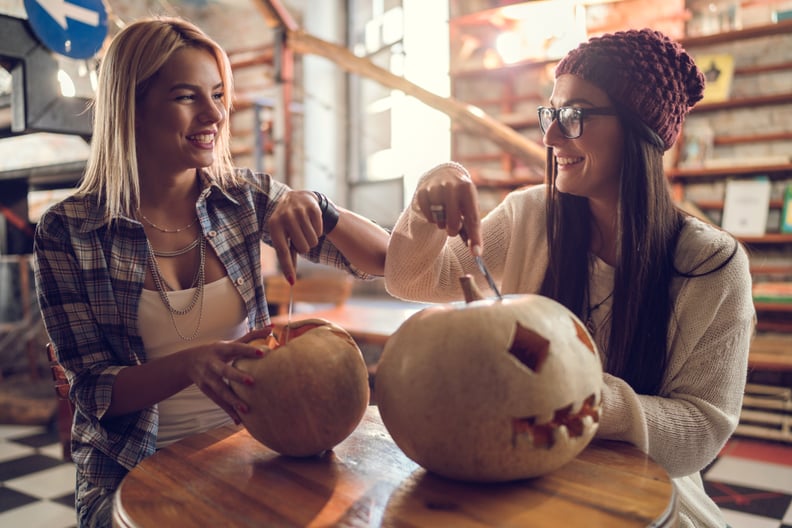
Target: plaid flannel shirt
point(89, 278)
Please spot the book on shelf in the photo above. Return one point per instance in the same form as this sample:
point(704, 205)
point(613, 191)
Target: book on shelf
point(772, 292)
point(786, 211)
point(718, 70)
point(746, 206)
point(697, 143)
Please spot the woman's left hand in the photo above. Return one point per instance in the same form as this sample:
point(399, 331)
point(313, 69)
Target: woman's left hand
point(295, 227)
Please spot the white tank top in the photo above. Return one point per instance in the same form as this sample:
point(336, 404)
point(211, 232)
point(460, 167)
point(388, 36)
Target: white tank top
point(224, 318)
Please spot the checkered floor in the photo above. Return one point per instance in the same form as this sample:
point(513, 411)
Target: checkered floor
point(36, 485)
point(751, 481)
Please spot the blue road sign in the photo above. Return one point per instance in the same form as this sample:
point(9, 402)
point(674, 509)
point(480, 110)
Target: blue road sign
point(75, 28)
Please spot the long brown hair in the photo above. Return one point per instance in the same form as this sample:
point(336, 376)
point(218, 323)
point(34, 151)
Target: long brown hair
point(649, 225)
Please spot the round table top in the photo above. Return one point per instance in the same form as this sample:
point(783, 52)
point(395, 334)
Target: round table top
point(224, 477)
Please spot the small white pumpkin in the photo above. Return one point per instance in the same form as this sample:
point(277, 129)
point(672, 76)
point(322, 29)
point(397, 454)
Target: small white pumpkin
point(491, 390)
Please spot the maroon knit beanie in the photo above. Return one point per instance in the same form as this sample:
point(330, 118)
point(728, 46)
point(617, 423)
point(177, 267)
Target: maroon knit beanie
point(643, 71)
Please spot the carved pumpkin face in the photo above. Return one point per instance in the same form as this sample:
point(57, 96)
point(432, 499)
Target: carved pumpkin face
point(309, 393)
point(491, 390)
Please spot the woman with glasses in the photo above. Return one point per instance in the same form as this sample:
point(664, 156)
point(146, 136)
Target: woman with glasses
point(667, 297)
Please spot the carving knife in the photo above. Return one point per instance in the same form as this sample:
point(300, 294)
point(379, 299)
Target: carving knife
point(291, 297)
point(482, 266)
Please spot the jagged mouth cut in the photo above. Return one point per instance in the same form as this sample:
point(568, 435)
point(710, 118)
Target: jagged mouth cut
point(544, 435)
point(532, 350)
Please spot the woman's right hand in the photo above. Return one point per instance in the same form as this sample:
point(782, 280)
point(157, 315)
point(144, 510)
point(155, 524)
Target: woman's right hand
point(447, 197)
point(209, 366)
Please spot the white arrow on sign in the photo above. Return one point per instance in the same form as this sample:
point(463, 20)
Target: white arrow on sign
point(60, 10)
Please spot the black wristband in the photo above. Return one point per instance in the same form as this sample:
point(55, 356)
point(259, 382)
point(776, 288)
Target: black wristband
point(329, 212)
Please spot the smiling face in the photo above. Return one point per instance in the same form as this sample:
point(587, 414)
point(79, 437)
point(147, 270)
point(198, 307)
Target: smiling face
point(589, 165)
point(181, 113)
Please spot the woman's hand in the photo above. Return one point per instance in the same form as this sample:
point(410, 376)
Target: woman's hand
point(447, 197)
point(208, 366)
point(211, 368)
point(295, 227)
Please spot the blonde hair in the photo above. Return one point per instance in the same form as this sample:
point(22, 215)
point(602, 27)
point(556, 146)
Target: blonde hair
point(132, 61)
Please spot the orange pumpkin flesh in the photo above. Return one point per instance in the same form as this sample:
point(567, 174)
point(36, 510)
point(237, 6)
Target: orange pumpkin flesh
point(491, 390)
point(308, 394)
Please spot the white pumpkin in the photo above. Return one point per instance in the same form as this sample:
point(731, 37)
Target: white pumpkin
point(491, 390)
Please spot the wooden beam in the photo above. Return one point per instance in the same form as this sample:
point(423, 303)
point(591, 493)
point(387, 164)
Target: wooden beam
point(275, 14)
point(468, 116)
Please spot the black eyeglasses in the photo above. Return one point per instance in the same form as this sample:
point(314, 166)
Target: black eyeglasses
point(570, 118)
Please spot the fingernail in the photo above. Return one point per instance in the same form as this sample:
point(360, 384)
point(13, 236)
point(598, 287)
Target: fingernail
point(260, 353)
point(242, 408)
point(290, 279)
point(248, 381)
point(477, 250)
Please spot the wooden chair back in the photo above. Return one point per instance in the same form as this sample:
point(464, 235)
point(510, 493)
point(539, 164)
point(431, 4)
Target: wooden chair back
point(59, 378)
point(320, 288)
point(65, 408)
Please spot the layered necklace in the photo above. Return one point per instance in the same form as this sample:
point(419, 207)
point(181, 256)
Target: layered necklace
point(164, 230)
point(198, 282)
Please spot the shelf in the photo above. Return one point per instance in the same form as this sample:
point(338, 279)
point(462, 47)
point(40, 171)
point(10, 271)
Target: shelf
point(718, 204)
point(752, 138)
point(678, 174)
point(765, 306)
point(769, 238)
point(774, 326)
point(771, 269)
point(781, 28)
point(763, 68)
point(772, 352)
point(743, 102)
point(774, 315)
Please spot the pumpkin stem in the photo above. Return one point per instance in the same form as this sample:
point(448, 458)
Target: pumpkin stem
point(470, 290)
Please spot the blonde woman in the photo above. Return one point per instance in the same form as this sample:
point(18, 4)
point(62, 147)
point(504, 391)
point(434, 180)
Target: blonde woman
point(149, 277)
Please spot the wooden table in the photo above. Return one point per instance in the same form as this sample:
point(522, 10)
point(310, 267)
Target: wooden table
point(226, 478)
point(369, 324)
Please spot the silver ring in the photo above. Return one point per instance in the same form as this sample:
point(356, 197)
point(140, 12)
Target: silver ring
point(438, 213)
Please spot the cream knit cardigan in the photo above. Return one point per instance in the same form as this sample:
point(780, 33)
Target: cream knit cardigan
point(685, 426)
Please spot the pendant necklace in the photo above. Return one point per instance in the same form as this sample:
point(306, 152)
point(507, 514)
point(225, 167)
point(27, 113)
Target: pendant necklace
point(590, 313)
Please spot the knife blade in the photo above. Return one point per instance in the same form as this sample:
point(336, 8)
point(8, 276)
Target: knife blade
point(482, 266)
point(293, 254)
